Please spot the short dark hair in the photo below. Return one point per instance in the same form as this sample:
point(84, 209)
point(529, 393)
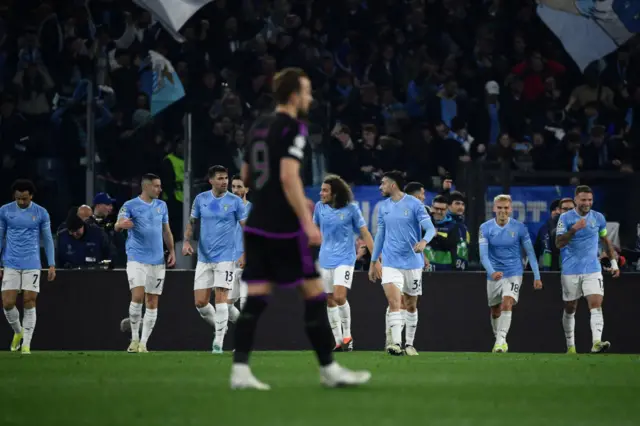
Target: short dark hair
point(440, 199)
point(566, 200)
point(413, 187)
point(395, 176)
point(583, 189)
point(236, 177)
point(456, 196)
point(216, 169)
point(73, 221)
point(22, 185)
point(340, 191)
point(286, 83)
point(555, 204)
point(150, 177)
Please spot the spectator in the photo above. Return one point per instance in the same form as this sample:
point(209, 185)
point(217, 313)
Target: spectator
point(80, 244)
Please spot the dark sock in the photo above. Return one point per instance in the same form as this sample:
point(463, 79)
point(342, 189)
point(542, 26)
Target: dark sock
point(316, 324)
point(246, 328)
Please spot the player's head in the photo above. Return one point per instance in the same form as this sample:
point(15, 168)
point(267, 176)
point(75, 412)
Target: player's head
point(238, 187)
point(502, 207)
point(219, 178)
point(416, 189)
point(439, 207)
point(457, 203)
point(23, 191)
point(75, 224)
point(392, 183)
point(566, 204)
point(151, 185)
point(336, 192)
point(584, 199)
point(292, 88)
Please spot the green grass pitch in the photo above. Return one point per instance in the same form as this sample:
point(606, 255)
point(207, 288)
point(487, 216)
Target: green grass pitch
point(190, 388)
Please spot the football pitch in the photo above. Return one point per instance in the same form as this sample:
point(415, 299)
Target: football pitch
point(191, 388)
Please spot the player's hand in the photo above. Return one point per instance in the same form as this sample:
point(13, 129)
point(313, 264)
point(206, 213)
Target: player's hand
point(375, 272)
point(187, 250)
point(51, 275)
point(419, 247)
point(171, 259)
point(581, 224)
point(427, 264)
point(615, 270)
point(496, 276)
point(537, 284)
point(241, 262)
point(313, 234)
point(125, 223)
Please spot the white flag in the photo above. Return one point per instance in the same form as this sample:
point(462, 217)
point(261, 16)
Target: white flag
point(172, 14)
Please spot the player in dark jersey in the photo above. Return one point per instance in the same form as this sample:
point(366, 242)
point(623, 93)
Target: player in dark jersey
point(281, 239)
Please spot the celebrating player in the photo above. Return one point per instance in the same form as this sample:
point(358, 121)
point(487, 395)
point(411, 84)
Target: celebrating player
point(239, 290)
point(400, 218)
point(219, 213)
point(280, 231)
point(577, 236)
point(501, 242)
point(339, 218)
point(147, 223)
point(23, 222)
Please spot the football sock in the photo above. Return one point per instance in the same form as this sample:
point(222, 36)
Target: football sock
point(221, 318)
point(234, 313)
point(504, 323)
point(135, 314)
point(207, 313)
point(395, 324)
point(13, 318)
point(246, 328)
point(345, 316)
point(597, 324)
point(29, 321)
point(569, 325)
point(336, 326)
point(316, 324)
point(412, 326)
point(148, 322)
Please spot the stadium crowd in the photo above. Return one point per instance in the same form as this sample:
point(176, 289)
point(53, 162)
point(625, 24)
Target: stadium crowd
point(429, 87)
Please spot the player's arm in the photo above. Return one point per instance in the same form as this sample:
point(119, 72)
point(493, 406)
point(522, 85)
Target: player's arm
point(366, 236)
point(124, 219)
point(484, 253)
point(608, 248)
point(564, 235)
point(49, 250)
point(3, 232)
point(525, 241)
point(426, 224)
point(375, 271)
point(359, 225)
point(294, 191)
point(167, 236)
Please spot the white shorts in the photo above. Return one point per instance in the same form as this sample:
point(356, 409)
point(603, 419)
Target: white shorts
point(240, 288)
point(151, 277)
point(409, 281)
point(508, 286)
point(24, 280)
point(342, 275)
point(576, 286)
point(210, 275)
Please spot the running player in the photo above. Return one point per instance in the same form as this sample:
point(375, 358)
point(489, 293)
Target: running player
point(23, 223)
point(280, 231)
point(239, 290)
point(400, 219)
point(501, 242)
point(577, 236)
point(147, 223)
point(219, 213)
point(339, 218)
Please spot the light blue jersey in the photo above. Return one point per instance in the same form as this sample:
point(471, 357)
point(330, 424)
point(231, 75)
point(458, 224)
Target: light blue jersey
point(580, 256)
point(144, 240)
point(399, 231)
point(239, 243)
point(22, 229)
point(338, 228)
point(219, 219)
point(501, 248)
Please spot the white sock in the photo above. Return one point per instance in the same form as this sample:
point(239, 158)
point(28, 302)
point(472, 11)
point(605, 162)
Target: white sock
point(411, 319)
point(569, 325)
point(243, 300)
point(335, 323)
point(494, 325)
point(207, 313)
point(404, 318)
point(234, 313)
point(345, 316)
point(13, 318)
point(504, 322)
point(387, 330)
point(395, 324)
point(221, 318)
point(29, 321)
point(135, 314)
point(597, 324)
point(148, 322)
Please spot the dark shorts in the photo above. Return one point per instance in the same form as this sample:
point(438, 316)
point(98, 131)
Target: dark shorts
point(285, 260)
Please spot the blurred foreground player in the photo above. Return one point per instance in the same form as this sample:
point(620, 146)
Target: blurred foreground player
point(279, 232)
point(22, 224)
point(577, 236)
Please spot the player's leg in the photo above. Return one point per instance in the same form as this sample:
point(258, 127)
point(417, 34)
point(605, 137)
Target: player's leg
point(510, 293)
point(411, 291)
point(11, 280)
point(392, 283)
point(234, 295)
point(153, 290)
point(571, 293)
point(137, 279)
point(593, 290)
point(222, 283)
point(342, 280)
point(333, 312)
point(494, 297)
point(202, 287)
point(30, 290)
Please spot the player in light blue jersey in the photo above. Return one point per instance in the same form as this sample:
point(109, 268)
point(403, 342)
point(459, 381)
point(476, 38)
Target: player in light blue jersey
point(339, 219)
point(577, 236)
point(219, 212)
point(398, 239)
point(501, 242)
point(240, 289)
point(22, 224)
point(146, 220)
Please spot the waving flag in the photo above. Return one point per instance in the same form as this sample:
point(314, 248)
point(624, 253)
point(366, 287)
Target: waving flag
point(160, 82)
point(172, 14)
point(591, 29)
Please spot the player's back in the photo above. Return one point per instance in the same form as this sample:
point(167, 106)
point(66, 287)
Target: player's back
point(338, 227)
point(504, 245)
point(271, 139)
point(401, 220)
point(144, 241)
point(21, 248)
point(580, 255)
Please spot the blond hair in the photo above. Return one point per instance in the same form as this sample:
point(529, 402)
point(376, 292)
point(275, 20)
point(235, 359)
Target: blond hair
point(502, 197)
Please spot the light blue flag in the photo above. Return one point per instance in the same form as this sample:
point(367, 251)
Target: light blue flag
point(161, 83)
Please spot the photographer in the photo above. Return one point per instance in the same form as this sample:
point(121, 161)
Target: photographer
point(80, 244)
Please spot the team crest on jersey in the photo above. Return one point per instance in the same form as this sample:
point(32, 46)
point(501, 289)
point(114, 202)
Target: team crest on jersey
point(225, 207)
point(513, 234)
point(406, 212)
point(33, 218)
point(592, 222)
point(341, 216)
point(159, 210)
